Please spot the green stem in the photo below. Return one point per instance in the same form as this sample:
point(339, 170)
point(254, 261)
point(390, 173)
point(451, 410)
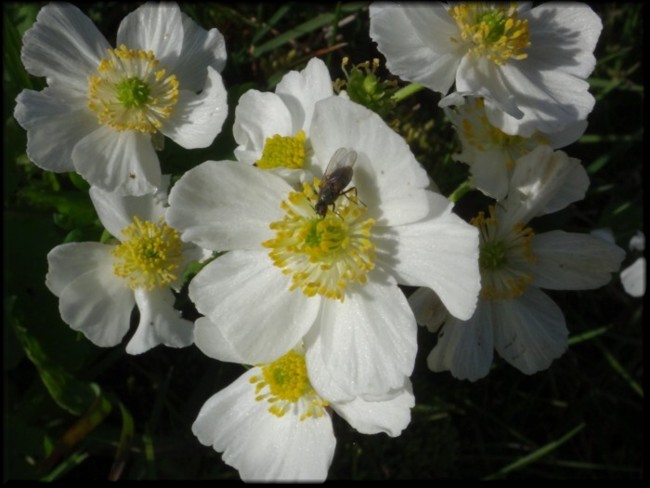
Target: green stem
point(463, 188)
point(407, 91)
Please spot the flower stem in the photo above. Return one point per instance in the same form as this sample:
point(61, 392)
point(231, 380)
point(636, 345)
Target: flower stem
point(463, 188)
point(407, 91)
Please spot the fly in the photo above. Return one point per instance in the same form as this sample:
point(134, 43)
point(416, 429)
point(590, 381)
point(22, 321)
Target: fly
point(338, 175)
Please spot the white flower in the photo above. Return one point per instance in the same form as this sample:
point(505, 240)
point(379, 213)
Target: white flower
point(530, 65)
point(271, 425)
point(98, 284)
point(491, 153)
point(331, 280)
point(513, 315)
point(273, 129)
point(104, 109)
point(633, 276)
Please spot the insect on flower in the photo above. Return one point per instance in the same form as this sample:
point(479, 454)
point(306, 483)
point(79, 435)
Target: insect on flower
point(338, 175)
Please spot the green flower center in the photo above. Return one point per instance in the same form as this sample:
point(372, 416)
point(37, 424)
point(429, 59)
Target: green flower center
point(130, 91)
point(502, 258)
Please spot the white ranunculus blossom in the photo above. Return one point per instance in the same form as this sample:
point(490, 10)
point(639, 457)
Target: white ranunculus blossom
point(331, 279)
point(104, 109)
point(529, 64)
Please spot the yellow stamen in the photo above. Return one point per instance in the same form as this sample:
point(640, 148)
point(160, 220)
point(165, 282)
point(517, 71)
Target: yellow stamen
point(283, 152)
point(130, 92)
point(501, 256)
point(494, 32)
point(322, 254)
point(150, 255)
point(284, 384)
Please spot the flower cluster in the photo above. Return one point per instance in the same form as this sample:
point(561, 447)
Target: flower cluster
point(322, 215)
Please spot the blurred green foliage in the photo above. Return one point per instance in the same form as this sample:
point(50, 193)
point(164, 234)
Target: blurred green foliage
point(76, 411)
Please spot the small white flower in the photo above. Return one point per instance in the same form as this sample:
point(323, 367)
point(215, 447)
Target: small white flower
point(491, 153)
point(513, 315)
point(633, 276)
point(273, 129)
point(271, 425)
point(530, 65)
point(331, 280)
point(104, 109)
point(98, 284)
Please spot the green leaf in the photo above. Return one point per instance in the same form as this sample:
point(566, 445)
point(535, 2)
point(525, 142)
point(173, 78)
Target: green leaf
point(69, 393)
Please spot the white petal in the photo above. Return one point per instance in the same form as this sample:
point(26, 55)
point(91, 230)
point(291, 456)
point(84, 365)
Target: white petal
point(570, 134)
point(428, 309)
point(301, 90)
point(549, 100)
point(569, 261)
point(197, 119)
point(117, 211)
point(55, 121)
point(637, 242)
point(389, 180)
point(439, 252)
point(249, 299)
point(420, 52)
point(259, 116)
point(543, 181)
point(63, 45)
point(529, 331)
point(465, 348)
point(371, 417)
point(260, 445)
point(200, 49)
point(489, 173)
point(123, 162)
point(564, 36)
point(215, 344)
point(223, 205)
point(92, 299)
point(633, 278)
point(160, 322)
point(364, 346)
point(156, 27)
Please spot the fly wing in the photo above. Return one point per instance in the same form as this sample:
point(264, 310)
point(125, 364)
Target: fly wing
point(341, 158)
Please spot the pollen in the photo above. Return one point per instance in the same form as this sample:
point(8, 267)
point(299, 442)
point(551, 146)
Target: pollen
point(493, 32)
point(284, 152)
point(284, 384)
point(323, 255)
point(130, 91)
point(150, 255)
point(503, 258)
point(477, 131)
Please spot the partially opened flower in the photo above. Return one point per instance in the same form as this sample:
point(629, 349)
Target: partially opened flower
point(633, 276)
point(271, 425)
point(105, 110)
point(513, 315)
point(273, 129)
point(329, 274)
point(530, 65)
point(491, 153)
point(98, 284)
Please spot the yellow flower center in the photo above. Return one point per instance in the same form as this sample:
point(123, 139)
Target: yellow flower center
point(494, 32)
point(477, 131)
point(322, 254)
point(501, 257)
point(285, 385)
point(150, 255)
point(284, 152)
point(130, 92)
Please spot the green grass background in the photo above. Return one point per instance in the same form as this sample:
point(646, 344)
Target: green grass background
point(76, 411)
